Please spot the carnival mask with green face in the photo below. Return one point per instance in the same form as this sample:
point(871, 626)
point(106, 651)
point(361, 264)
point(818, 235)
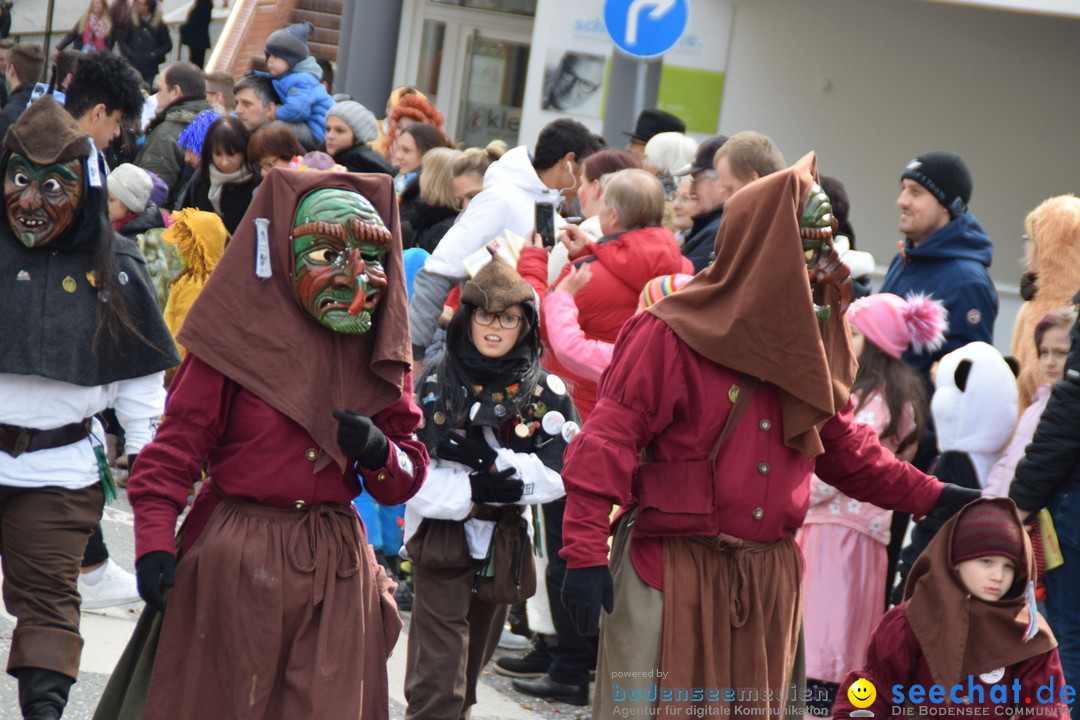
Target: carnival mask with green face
point(823, 262)
point(41, 200)
point(339, 244)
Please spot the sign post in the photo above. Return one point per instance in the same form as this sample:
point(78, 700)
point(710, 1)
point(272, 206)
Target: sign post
point(644, 30)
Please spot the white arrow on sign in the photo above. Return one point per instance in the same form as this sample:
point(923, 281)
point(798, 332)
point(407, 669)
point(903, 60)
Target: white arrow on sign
point(660, 8)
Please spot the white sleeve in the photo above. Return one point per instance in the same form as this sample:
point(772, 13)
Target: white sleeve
point(446, 493)
point(476, 227)
point(542, 484)
point(139, 403)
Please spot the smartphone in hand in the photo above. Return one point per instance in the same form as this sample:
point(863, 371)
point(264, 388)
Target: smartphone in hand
point(545, 222)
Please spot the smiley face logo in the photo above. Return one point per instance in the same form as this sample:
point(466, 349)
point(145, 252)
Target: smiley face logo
point(862, 693)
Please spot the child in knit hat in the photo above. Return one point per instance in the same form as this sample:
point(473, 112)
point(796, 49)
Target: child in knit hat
point(968, 624)
point(296, 75)
point(844, 541)
point(130, 209)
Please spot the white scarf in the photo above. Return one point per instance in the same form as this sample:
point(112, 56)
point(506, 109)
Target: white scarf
point(219, 180)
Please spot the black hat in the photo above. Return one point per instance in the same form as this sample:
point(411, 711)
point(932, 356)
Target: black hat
point(703, 158)
point(945, 175)
point(654, 122)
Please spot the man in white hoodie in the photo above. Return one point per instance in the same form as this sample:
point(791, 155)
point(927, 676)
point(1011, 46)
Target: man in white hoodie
point(512, 185)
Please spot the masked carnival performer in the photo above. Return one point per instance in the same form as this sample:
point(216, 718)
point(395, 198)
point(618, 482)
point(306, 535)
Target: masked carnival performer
point(296, 393)
point(706, 590)
point(80, 331)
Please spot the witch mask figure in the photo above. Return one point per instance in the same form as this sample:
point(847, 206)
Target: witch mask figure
point(339, 245)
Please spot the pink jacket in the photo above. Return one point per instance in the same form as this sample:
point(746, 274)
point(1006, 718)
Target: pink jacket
point(1001, 475)
point(830, 506)
point(583, 357)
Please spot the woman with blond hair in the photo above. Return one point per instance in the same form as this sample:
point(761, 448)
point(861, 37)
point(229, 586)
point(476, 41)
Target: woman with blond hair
point(93, 31)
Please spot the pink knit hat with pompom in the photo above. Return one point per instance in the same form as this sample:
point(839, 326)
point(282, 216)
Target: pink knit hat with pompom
point(892, 323)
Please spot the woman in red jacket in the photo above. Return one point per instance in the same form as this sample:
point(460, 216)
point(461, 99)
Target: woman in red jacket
point(633, 250)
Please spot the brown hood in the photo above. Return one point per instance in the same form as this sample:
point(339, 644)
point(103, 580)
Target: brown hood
point(978, 636)
point(752, 310)
point(255, 332)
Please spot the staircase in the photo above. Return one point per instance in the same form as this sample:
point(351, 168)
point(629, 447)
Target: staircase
point(240, 48)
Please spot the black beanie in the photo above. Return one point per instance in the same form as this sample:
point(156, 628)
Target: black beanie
point(290, 44)
point(946, 176)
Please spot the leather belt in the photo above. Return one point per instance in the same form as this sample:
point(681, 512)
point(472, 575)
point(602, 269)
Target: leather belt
point(15, 440)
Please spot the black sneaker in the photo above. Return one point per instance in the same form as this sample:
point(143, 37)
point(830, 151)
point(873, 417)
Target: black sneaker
point(531, 664)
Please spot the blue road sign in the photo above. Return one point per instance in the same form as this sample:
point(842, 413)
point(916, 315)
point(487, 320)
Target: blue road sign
point(646, 29)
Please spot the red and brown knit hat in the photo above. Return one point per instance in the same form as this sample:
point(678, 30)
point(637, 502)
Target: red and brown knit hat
point(987, 529)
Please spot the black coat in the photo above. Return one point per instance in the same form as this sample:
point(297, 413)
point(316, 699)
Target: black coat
point(146, 45)
point(148, 219)
point(699, 244)
point(428, 223)
point(364, 159)
point(234, 199)
point(13, 107)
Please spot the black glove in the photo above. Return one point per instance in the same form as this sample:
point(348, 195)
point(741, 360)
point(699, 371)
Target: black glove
point(359, 438)
point(496, 487)
point(154, 572)
point(131, 461)
point(584, 591)
point(474, 453)
point(952, 498)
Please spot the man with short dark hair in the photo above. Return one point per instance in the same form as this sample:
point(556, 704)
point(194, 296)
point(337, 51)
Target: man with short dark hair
point(512, 185)
point(25, 63)
point(946, 252)
point(103, 93)
point(181, 96)
point(256, 101)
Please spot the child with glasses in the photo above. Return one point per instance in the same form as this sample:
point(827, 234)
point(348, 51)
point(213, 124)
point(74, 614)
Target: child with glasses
point(496, 425)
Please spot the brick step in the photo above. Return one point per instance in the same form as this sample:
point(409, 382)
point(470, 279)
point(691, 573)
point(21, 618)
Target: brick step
point(318, 19)
point(332, 7)
point(328, 52)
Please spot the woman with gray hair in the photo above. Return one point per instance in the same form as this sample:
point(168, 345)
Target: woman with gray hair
point(668, 153)
point(350, 128)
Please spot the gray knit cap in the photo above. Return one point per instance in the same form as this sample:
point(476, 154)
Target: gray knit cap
point(130, 185)
point(360, 120)
point(290, 44)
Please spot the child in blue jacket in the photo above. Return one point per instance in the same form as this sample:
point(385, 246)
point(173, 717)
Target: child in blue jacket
point(296, 75)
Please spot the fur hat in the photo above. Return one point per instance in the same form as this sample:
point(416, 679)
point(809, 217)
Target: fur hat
point(46, 134)
point(986, 529)
point(496, 286)
point(360, 120)
point(946, 176)
point(131, 186)
point(892, 323)
point(290, 44)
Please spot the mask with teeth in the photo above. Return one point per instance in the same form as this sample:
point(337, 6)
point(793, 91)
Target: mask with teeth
point(339, 244)
point(41, 200)
point(823, 263)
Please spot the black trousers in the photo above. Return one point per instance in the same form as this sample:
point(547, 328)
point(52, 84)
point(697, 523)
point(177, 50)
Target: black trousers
point(572, 654)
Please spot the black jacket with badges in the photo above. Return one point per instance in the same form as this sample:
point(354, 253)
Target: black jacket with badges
point(544, 425)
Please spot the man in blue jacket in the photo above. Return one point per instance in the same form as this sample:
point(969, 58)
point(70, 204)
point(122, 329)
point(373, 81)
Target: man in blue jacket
point(946, 252)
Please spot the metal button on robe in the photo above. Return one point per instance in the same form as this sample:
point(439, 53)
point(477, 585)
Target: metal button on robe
point(299, 504)
point(763, 468)
point(381, 476)
point(311, 454)
point(765, 424)
point(758, 513)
